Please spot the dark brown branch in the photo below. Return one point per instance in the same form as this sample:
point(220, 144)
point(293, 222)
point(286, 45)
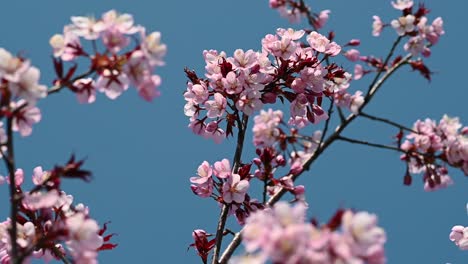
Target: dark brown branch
point(242, 126)
point(10, 164)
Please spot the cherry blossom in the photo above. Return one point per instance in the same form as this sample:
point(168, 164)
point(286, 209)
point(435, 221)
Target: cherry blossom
point(377, 26)
point(25, 118)
point(234, 189)
point(433, 139)
point(203, 184)
point(402, 4)
point(283, 235)
point(118, 66)
point(404, 24)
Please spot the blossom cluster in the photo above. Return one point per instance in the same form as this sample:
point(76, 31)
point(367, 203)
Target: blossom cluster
point(48, 224)
point(118, 65)
point(432, 146)
point(286, 68)
point(413, 25)
point(459, 235)
point(20, 91)
point(231, 187)
point(281, 234)
point(295, 10)
point(273, 143)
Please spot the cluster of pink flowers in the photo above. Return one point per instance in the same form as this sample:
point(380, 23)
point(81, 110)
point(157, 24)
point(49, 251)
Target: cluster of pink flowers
point(459, 235)
point(352, 102)
point(282, 234)
point(230, 186)
point(266, 127)
point(431, 146)
point(20, 91)
point(218, 181)
point(249, 79)
point(118, 65)
point(295, 10)
point(49, 224)
point(273, 143)
point(415, 26)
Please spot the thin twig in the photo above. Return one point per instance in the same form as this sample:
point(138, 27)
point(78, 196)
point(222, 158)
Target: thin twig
point(387, 121)
point(382, 68)
point(361, 142)
point(327, 123)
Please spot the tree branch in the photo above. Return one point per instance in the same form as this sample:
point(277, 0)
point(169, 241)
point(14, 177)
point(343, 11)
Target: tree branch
point(10, 164)
point(361, 142)
point(242, 124)
point(373, 88)
point(387, 121)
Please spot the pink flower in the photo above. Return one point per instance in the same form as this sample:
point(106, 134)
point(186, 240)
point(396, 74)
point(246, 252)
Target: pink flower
point(153, 47)
point(352, 55)
point(85, 90)
point(203, 184)
point(235, 189)
point(19, 177)
point(284, 47)
point(249, 102)
point(222, 169)
point(377, 26)
point(25, 118)
point(39, 200)
point(86, 27)
point(404, 24)
point(243, 60)
point(293, 15)
point(112, 83)
point(196, 93)
point(40, 176)
point(402, 4)
point(123, 23)
point(290, 33)
point(445, 181)
point(459, 235)
point(66, 46)
point(27, 86)
point(213, 131)
point(358, 71)
point(436, 30)
point(415, 45)
point(232, 83)
point(83, 238)
point(366, 235)
point(265, 128)
point(356, 102)
point(11, 67)
point(114, 40)
point(322, 19)
point(148, 88)
point(216, 107)
point(317, 41)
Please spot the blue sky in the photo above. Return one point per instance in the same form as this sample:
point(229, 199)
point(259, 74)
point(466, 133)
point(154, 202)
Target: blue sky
point(142, 154)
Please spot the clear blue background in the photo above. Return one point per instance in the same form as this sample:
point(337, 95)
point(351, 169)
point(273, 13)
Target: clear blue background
point(142, 154)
